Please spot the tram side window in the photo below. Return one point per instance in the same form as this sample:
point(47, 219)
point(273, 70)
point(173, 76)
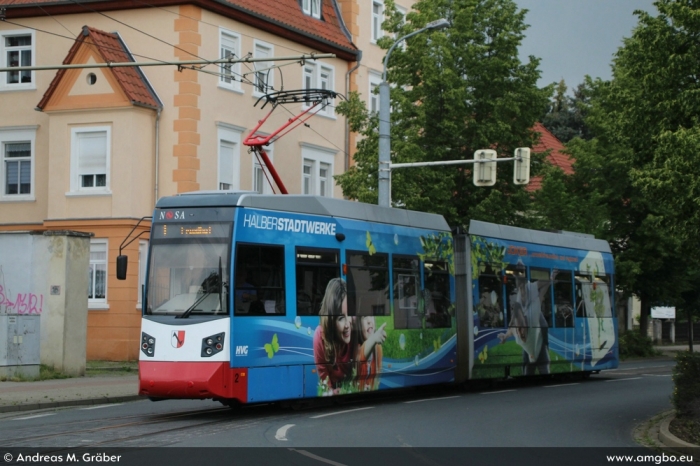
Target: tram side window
point(490, 304)
point(528, 295)
point(542, 277)
point(259, 276)
point(511, 288)
point(368, 284)
point(603, 299)
point(314, 269)
point(563, 300)
point(436, 280)
point(593, 296)
point(406, 279)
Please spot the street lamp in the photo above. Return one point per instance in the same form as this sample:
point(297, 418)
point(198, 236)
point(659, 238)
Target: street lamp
point(385, 119)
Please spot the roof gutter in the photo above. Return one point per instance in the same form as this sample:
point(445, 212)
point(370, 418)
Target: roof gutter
point(347, 51)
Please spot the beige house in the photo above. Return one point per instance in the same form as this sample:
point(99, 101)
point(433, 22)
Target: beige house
point(364, 19)
point(91, 149)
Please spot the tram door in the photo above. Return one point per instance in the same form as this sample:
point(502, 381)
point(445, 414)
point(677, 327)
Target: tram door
point(594, 318)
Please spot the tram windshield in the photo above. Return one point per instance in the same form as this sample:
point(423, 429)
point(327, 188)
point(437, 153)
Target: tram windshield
point(189, 273)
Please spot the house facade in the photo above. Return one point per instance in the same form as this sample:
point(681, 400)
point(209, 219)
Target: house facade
point(364, 20)
point(92, 149)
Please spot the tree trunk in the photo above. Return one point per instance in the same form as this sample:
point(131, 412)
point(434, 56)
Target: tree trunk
point(690, 330)
point(644, 316)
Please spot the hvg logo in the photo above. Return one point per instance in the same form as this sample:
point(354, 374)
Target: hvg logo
point(242, 350)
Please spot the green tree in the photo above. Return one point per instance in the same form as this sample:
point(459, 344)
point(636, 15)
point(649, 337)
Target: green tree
point(642, 168)
point(565, 117)
point(454, 91)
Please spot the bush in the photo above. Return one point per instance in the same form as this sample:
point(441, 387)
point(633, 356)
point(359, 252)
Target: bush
point(634, 344)
point(686, 378)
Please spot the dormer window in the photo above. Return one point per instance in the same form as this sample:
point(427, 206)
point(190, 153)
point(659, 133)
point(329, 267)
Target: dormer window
point(311, 8)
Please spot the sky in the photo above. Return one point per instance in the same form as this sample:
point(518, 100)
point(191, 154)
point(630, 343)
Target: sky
point(574, 38)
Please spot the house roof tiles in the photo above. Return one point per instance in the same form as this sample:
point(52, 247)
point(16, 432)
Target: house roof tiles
point(282, 17)
point(556, 156)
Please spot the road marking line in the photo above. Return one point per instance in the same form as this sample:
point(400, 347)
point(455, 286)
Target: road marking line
point(101, 406)
point(282, 432)
point(636, 368)
point(562, 385)
point(432, 399)
point(617, 380)
point(340, 412)
point(317, 458)
point(658, 375)
point(32, 417)
point(500, 391)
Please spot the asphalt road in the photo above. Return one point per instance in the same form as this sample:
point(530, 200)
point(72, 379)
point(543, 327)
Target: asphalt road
point(600, 412)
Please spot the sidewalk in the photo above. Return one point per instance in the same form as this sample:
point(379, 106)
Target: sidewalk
point(77, 391)
point(671, 350)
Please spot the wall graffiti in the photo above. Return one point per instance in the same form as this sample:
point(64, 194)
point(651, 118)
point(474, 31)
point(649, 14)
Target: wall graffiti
point(24, 303)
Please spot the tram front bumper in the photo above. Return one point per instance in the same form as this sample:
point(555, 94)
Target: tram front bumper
point(192, 380)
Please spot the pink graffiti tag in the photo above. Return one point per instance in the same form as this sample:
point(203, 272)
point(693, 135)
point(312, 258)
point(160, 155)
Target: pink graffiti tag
point(25, 303)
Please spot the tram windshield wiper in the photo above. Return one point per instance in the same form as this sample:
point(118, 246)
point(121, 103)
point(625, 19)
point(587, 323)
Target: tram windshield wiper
point(212, 284)
point(189, 310)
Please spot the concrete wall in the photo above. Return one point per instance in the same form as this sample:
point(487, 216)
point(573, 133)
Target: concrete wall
point(46, 274)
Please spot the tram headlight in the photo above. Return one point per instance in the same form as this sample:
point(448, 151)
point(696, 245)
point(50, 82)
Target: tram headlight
point(148, 344)
point(212, 345)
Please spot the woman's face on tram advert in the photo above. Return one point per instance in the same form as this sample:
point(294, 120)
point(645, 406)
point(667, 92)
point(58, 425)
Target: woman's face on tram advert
point(343, 323)
point(334, 313)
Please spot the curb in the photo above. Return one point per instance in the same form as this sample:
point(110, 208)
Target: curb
point(62, 404)
point(670, 440)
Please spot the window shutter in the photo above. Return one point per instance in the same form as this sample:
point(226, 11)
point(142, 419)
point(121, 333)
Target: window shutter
point(92, 153)
point(226, 152)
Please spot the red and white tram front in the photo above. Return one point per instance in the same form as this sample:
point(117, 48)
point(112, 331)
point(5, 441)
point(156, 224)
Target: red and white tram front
point(186, 325)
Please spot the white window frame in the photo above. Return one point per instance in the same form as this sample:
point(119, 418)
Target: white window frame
point(377, 18)
point(263, 50)
point(259, 172)
point(316, 158)
point(375, 79)
point(20, 86)
point(99, 303)
point(403, 12)
point(319, 76)
point(229, 135)
point(311, 8)
point(307, 176)
point(76, 187)
point(18, 134)
point(143, 260)
point(230, 41)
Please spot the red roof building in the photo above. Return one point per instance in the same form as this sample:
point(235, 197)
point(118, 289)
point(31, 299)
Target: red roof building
point(548, 143)
point(109, 48)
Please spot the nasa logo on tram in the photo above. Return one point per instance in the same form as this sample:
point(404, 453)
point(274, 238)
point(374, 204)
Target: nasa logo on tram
point(178, 338)
point(172, 215)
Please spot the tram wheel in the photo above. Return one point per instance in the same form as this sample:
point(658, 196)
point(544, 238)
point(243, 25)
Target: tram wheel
point(230, 403)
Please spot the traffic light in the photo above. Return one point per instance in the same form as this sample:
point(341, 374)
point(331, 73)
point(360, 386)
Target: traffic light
point(521, 171)
point(485, 172)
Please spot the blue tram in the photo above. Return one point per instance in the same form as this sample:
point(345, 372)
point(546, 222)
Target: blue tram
point(255, 298)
